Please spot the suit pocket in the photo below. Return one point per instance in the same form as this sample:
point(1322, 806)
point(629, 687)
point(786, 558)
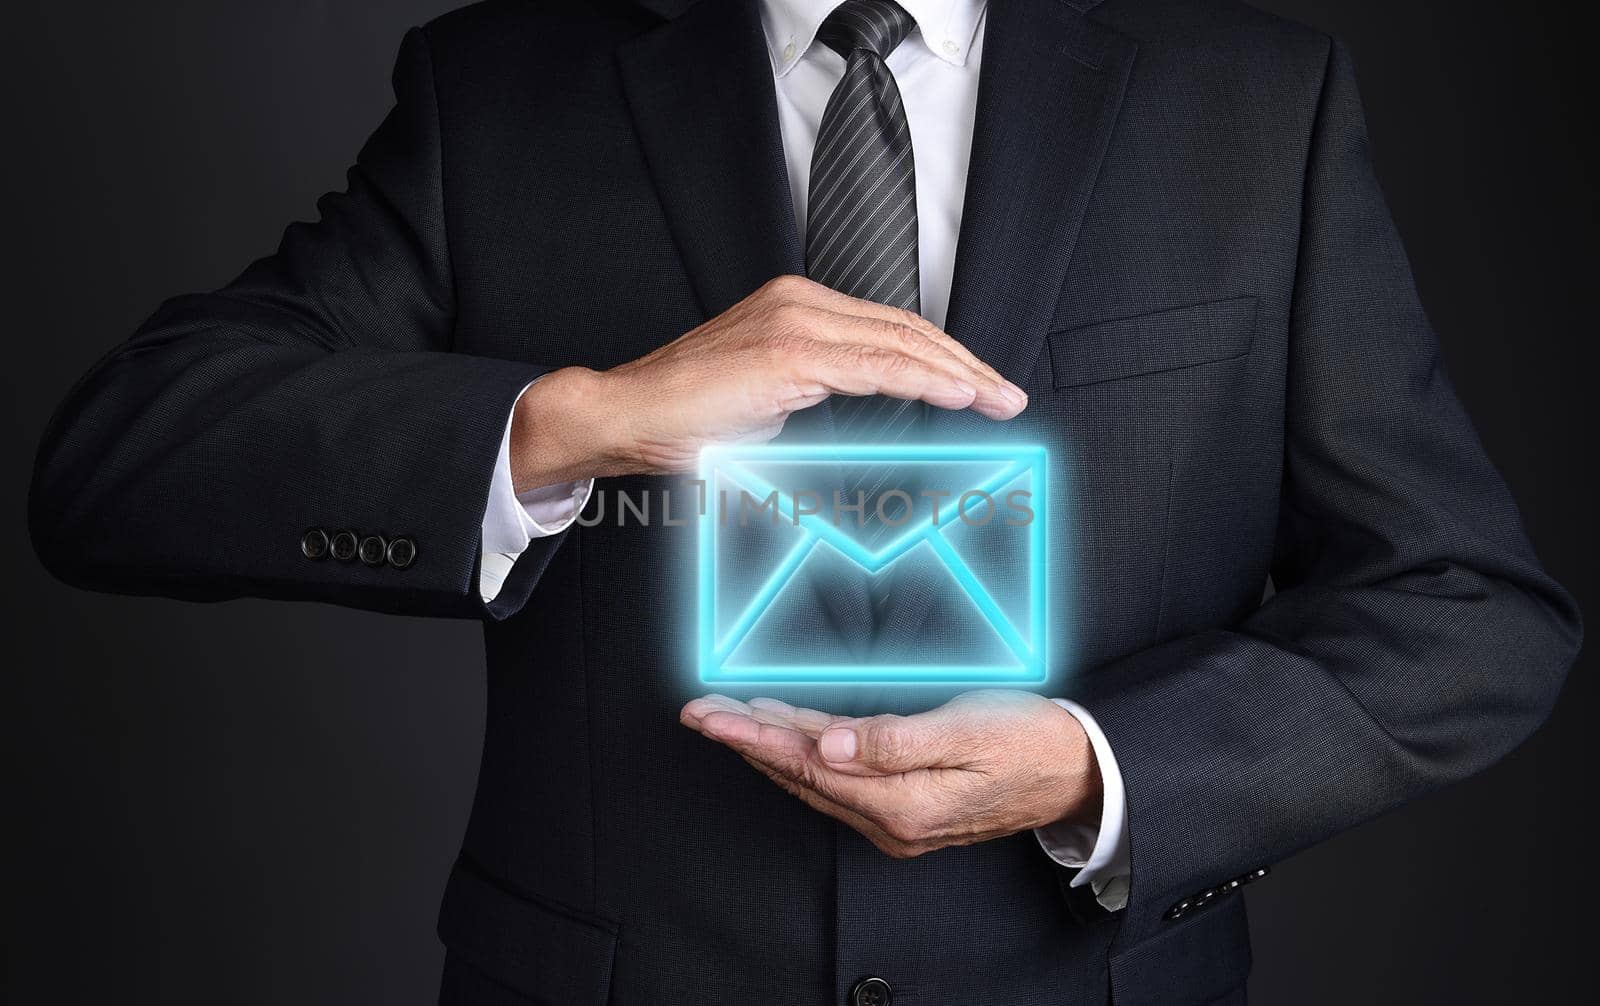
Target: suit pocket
point(1153, 343)
point(546, 952)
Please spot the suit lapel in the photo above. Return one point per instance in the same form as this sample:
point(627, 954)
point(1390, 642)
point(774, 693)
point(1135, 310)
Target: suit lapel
point(700, 88)
point(1049, 91)
point(705, 110)
point(1048, 95)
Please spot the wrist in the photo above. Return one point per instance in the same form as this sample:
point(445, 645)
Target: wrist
point(563, 430)
point(1080, 783)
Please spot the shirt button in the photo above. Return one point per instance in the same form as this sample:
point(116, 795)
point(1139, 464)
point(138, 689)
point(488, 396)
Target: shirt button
point(871, 991)
point(788, 52)
point(951, 47)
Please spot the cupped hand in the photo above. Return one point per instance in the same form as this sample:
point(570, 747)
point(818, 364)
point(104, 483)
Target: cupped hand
point(984, 765)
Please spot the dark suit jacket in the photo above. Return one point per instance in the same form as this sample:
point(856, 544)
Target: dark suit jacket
point(1173, 239)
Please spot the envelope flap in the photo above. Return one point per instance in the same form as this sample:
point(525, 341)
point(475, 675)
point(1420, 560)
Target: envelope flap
point(872, 504)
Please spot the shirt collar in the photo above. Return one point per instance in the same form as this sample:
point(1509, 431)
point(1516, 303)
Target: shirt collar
point(947, 27)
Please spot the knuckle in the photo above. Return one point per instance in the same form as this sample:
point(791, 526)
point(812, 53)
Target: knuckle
point(911, 320)
point(888, 363)
point(860, 357)
point(887, 741)
point(785, 286)
point(893, 334)
point(909, 339)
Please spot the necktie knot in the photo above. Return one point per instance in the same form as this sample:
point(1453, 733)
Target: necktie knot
point(877, 26)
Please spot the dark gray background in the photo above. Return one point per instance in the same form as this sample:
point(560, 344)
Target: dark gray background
point(257, 802)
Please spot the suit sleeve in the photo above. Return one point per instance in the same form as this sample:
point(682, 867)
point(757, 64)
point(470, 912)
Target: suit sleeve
point(1413, 639)
point(317, 390)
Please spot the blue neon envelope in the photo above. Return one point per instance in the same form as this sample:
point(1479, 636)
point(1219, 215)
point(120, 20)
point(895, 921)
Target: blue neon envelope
point(935, 575)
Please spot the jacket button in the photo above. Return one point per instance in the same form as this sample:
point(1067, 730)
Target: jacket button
point(402, 553)
point(314, 544)
point(343, 547)
point(871, 991)
point(1176, 911)
point(373, 549)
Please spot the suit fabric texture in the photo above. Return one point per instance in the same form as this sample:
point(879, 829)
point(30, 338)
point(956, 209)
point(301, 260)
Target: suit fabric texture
point(1173, 239)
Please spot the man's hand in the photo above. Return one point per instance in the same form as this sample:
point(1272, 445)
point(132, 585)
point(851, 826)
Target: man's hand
point(984, 765)
point(736, 379)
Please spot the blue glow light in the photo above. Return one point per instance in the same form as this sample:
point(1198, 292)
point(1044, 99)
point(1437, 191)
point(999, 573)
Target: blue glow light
point(1023, 652)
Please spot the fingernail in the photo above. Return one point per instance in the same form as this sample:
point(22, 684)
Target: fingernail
point(964, 387)
point(1013, 394)
point(837, 745)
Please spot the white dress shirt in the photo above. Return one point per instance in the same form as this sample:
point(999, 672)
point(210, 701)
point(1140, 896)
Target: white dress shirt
point(936, 69)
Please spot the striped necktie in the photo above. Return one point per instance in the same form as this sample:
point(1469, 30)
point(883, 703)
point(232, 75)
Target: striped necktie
point(861, 227)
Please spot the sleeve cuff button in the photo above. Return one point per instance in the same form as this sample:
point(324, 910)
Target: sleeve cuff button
point(402, 553)
point(314, 543)
point(343, 547)
point(372, 551)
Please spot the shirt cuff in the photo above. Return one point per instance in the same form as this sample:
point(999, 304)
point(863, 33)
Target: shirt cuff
point(512, 519)
point(1099, 854)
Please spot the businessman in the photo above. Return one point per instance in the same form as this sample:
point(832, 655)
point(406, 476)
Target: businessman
point(593, 238)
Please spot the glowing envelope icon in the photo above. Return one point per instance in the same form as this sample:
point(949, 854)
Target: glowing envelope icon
point(873, 565)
